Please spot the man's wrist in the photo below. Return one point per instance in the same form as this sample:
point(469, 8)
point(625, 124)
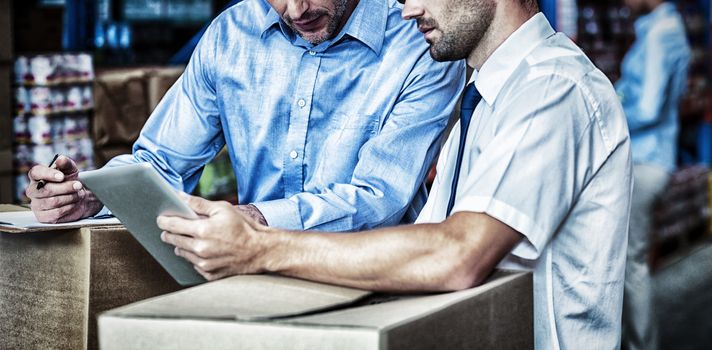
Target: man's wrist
point(274, 255)
point(251, 211)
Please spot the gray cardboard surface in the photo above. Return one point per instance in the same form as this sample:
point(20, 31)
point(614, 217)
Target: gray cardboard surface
point(497, 314)
point(52, 284)
point(251, 297)
point(153, 333)
point(121, 272)
point(43, 290)
point(382, 315)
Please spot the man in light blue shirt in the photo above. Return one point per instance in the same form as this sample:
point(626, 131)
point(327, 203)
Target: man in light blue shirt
point(331, 110)
point(654, 75)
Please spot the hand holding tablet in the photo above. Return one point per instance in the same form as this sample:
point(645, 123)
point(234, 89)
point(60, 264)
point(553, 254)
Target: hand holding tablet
point(137, 195)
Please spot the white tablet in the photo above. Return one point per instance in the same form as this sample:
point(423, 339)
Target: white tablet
point(137, 195)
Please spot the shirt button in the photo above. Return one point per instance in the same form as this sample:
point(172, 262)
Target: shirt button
point(312, 52)
point(293, 154)
point(301, 102)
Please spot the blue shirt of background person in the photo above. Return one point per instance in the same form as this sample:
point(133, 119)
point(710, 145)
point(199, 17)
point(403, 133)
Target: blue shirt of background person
point(335, 136)
point(653, 79)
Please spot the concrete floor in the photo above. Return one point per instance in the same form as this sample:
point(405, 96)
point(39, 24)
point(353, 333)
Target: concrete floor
point(683, 294)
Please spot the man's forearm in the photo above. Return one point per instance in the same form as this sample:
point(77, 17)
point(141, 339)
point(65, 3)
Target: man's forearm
point(377, 262)
point(426, 257)
point(455, 254)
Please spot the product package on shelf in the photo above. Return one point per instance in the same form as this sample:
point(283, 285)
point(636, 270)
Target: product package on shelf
point(605, 33)
point(53, 104)
point(47, 70)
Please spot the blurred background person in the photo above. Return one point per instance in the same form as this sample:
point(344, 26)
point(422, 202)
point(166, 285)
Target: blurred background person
point(653, 80)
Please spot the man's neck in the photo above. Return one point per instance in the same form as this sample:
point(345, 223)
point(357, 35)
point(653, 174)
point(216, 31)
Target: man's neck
point(508, 17)
point(350, 7)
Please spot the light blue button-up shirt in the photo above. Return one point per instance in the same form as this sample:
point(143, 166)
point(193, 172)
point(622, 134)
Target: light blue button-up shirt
point(336, 136)
point(653, 79)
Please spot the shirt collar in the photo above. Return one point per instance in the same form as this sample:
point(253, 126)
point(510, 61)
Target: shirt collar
point(497, 69)
point(366, 24)
point(271, 19)
point(643, 23)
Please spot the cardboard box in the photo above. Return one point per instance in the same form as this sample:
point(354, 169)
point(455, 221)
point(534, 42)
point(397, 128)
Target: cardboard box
point(159, 81)
point(120, 110)
point(54, 283)
point(251, 312)
point(123, 101)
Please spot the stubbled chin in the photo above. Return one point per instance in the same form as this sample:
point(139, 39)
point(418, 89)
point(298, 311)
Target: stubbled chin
point(435, 55)
point(314, 37)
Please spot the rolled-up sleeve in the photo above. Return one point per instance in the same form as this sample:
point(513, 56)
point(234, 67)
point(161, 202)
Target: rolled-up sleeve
point(183, 133)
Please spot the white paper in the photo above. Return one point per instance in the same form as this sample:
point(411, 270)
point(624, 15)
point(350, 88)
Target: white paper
point(27, 220)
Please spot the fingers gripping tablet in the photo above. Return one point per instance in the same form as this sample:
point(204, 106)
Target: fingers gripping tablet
point(136, 194)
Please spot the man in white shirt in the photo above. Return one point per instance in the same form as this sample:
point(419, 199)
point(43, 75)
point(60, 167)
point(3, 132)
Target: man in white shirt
point(543, 183)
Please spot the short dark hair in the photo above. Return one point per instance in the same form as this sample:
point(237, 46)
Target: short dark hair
point(531, 5)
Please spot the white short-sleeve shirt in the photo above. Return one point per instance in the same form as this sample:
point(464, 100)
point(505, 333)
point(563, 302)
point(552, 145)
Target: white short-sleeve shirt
point(548, 154)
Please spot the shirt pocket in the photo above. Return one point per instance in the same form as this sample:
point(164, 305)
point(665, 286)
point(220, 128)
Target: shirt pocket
point(347, 133)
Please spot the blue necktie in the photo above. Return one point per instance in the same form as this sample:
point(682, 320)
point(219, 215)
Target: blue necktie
point(470, 98)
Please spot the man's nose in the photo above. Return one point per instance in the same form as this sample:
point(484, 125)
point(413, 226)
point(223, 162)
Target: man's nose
point(411, 9)
point(296, 8)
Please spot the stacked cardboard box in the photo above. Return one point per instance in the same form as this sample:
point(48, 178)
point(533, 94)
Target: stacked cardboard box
point(53, 284)
point(6, 178)
point(124, 99)
point(270, 312)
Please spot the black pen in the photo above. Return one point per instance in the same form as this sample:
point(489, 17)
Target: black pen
point(41, 183)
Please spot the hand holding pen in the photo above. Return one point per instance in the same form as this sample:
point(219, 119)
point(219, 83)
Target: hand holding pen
point(41, 183)
point(56, 195)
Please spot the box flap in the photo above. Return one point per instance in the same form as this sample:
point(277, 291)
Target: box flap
point(393, 313)
point(246, 298)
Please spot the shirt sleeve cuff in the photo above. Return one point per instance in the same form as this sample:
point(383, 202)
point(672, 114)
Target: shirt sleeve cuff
point(282, 213)
point(534, 238)
point(103, 212)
